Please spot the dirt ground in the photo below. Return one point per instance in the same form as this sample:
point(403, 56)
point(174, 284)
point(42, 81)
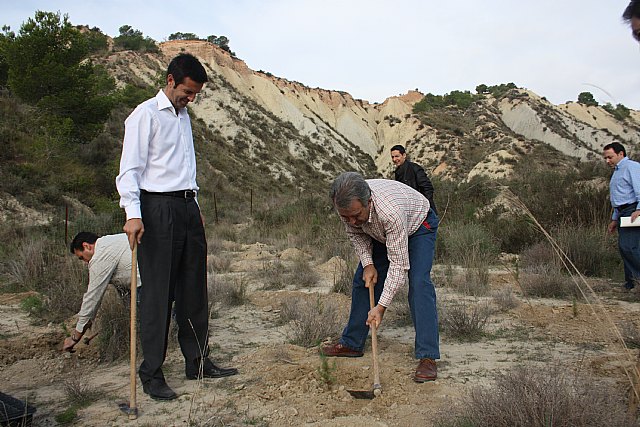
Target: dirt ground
point(279, 383)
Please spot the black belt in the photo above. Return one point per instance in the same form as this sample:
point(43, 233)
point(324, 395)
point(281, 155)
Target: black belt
point(627, 205)
point(183, 194)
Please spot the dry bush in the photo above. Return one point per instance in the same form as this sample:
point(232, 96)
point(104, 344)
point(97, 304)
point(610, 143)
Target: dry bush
point(343, 278)
point(535, 397)
point(228, 291)
point(302, 274)
point(547, 281)
point(630, 333)
point(400, 308)
point(219, 263)
point(113, 322)
point(29, 263)
point(311, 320)
point(65, 290)
point(462, 320)
point(472, 247)
point(42, 265)
point(505, 299)
point(80, 394)
point(275, 275)
point(537, 254)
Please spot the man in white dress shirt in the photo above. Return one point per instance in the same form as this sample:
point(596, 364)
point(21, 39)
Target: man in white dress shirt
point(109, 261)
point(157, 186)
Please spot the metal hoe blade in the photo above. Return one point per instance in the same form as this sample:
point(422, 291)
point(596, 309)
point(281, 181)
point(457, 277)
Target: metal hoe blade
point(131, 412)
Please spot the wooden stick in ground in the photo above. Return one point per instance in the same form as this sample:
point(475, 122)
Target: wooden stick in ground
point(133, 410)
point(377, 388)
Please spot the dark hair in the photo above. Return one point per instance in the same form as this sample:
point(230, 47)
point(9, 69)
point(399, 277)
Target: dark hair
point(82, 237)
point(399, 148)
point(348, 187)
point(186, 65)
point(616, 147)
point(632, 10)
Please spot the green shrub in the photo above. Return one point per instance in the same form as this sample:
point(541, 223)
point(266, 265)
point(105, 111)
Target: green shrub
point(33, 305)
point(467, 244)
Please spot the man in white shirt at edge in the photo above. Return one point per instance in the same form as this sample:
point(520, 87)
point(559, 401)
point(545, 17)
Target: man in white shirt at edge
point(157, 187)
point(109, 261)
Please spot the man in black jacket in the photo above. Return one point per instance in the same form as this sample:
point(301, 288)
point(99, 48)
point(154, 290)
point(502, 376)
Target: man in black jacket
point(412, 174)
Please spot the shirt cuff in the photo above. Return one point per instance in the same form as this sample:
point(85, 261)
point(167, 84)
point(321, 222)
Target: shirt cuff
point(385, 298)
point(133, 211)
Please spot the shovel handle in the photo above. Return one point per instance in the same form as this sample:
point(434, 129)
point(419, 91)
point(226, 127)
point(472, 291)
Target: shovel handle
point(374, 342)
point(133, 414)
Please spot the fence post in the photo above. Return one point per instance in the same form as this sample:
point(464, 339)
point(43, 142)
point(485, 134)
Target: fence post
point(66, 223)
point(215, 207)
point(251, 202)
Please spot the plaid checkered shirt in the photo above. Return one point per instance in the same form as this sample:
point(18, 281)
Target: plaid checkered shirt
point(396, 212)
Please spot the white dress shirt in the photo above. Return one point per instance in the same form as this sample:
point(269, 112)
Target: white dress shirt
point(111, 263)
point(157, 153)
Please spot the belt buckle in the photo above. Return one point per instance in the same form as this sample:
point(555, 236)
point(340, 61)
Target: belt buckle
point(189, 193)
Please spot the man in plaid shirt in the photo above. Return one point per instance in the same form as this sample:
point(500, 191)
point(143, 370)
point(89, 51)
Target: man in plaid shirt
point(393, 232)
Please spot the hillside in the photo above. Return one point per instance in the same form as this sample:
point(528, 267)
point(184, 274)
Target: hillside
point(332, 125)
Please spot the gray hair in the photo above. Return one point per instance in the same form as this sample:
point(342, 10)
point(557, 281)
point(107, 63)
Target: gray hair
point(348, 187)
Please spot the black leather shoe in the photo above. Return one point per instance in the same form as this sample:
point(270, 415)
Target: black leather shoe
point(209, 370)
point(158, 389)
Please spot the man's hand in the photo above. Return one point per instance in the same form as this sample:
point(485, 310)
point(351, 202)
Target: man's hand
point(69, 343)
point(370, 276)
point(614, 224)
point(635, 215)
point(375, 315)
point(134, 229)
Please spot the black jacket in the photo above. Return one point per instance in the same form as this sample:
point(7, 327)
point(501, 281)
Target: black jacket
point(413, 175)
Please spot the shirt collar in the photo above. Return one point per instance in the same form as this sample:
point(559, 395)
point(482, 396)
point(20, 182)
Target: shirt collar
point(164, 103)
point(621, 162)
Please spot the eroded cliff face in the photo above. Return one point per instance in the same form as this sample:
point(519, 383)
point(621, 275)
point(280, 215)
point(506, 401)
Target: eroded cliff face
point(332, 131)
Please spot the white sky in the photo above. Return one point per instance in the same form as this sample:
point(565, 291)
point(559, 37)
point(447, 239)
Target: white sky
point(374, 49)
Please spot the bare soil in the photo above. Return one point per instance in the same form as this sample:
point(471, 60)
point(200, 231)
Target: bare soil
point(279, 383)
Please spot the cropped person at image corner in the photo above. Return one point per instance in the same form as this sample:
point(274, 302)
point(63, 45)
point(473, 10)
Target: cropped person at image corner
point(158, 189)
point(624, 194)
point(631, 15)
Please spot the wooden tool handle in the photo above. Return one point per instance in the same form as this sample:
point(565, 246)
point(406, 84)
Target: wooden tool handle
point(132, 342)
point(374, 343)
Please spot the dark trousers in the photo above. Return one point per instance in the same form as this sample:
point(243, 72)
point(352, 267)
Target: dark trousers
point(629, 246)
point(422, 294)
point(172, 260)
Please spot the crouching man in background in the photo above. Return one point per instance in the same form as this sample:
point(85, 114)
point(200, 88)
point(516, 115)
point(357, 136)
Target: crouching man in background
point(109, 261)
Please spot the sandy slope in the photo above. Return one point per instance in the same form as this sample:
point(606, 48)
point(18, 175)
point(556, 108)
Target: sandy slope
point(279, 384)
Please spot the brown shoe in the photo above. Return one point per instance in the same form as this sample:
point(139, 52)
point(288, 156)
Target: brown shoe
point(426, 371)
point(339, 350)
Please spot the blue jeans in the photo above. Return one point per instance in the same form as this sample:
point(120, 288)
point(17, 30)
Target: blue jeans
point(629, 246)
point(422, 294)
